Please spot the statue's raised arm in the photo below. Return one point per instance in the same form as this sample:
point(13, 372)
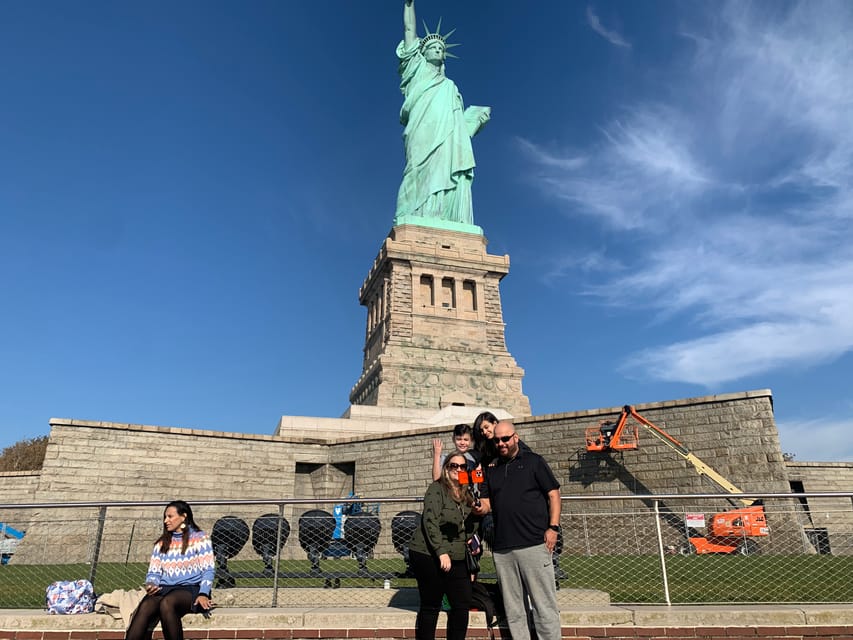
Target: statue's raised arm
point(410, 25)
point(436, 186)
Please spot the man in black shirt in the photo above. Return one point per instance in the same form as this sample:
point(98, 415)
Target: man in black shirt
point(524, 497)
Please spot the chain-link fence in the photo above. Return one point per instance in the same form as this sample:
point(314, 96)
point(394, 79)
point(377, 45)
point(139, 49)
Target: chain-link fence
point(795, 548)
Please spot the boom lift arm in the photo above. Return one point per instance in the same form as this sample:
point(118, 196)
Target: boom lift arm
point(619, 436)
point(731, 531)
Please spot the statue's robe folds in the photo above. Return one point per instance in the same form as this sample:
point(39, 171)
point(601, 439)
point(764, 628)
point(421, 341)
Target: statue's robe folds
point(439, 157)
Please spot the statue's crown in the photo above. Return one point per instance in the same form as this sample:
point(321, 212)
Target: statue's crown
point(432, 36)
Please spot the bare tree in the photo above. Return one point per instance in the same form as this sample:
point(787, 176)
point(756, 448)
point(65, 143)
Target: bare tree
point(25, 455)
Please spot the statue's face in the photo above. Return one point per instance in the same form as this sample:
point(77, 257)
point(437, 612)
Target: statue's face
point(434, 52)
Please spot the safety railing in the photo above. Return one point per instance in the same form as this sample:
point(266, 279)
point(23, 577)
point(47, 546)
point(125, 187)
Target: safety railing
point(672, 549)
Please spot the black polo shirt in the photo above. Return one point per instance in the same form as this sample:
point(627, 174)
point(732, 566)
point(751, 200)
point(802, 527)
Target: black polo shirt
point(518, 492)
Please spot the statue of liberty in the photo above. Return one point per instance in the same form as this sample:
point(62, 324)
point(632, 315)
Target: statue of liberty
point(436, 186)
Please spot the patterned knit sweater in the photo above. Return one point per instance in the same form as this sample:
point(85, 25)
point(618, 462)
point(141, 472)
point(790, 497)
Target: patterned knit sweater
point(172, 568)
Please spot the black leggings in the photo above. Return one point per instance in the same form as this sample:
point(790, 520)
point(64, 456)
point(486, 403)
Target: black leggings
point(433, 583)
point(168, 609)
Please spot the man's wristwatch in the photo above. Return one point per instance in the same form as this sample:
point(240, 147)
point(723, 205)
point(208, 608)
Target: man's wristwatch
point(554, 527)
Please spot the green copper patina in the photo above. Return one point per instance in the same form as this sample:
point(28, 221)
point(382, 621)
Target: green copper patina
point(436, 187)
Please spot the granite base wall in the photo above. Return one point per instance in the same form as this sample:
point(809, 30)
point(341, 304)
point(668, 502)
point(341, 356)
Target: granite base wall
point(99, 461)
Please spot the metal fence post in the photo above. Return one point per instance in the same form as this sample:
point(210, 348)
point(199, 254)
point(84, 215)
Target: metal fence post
point(661, 554)
point(586, 536)
point(96, 550)
point(278, 547)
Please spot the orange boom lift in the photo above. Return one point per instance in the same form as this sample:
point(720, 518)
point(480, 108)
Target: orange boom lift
point(730, 531)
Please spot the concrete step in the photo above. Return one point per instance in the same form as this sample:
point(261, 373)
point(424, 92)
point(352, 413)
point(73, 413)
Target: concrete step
point(336, 619)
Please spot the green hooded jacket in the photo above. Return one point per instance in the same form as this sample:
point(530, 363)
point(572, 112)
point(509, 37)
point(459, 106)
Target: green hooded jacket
point(445, 525)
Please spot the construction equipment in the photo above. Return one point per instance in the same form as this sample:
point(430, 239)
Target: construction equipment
point(730, 531)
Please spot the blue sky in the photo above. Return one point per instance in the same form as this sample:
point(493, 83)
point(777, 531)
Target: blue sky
point(192, 193)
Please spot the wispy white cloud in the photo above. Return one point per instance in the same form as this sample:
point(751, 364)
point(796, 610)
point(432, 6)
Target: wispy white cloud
point(642, 165)
point(745, 205)
point(590, 261)
point(551, 160)
point(613, 37)
point(652, 145)
point(757, 297)
point(820, 439)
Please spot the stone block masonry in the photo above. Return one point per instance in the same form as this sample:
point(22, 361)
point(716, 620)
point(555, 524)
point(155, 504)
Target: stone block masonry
point(100, 461)
point(435, 325)
point(828, 522)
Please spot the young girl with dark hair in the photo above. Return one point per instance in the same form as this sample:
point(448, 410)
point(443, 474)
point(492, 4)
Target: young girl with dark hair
point(484, 429)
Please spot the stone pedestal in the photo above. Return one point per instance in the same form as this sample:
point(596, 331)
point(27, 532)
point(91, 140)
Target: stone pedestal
point(435, 330)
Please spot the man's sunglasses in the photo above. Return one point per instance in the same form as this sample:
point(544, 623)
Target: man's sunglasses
point(503, 439)
point(453, 466)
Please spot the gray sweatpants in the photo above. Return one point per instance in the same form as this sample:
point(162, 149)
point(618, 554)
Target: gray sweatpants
point(529, 570)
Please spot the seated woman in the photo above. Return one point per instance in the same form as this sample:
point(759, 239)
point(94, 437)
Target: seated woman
point(179, 579)
point(437, 552)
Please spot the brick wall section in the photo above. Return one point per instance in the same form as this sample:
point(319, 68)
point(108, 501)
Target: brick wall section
point(88, 461)
point(822, 476)
point(17, 487)
point(401, 298)
point(495, 330)
point(839, 632)
point(818, 477)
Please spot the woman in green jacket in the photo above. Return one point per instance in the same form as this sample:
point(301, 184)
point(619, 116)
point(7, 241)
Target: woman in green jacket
point(437, 552)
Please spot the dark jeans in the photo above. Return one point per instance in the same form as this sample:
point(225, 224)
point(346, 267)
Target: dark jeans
point(433, 583)
point(167, 608)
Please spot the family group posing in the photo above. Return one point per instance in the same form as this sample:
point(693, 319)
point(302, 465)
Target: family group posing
point(523, 497)
point(519, 491)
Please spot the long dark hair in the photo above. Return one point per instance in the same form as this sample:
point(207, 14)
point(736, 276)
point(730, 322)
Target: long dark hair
point(485, 447)
point(183, 509)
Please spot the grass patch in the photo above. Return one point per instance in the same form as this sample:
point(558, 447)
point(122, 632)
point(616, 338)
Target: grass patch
point(715, 578)
point(628, 579)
